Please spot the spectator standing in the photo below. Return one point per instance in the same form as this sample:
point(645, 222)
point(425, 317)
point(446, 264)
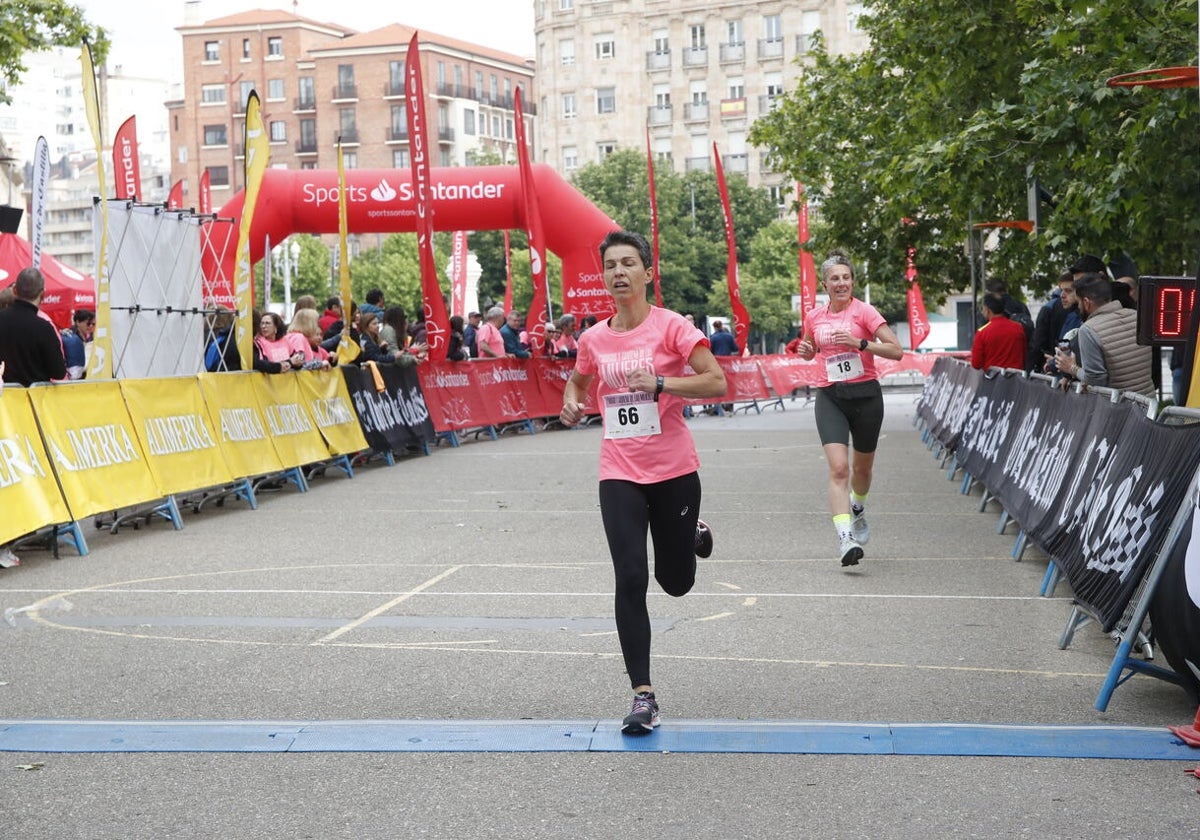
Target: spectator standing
point(565, 345)
point(1054, 321)
point(374, 303)
point(1109, 354)
point(474, 319)
point(1001, 341)
point(221, 350)
point(304, 335)
point(75, 340)
point(332, 315)
point(272, 351)
point(30, 346)
point(491, 343)
point(649, 480)
point(723, 342)
point(511, 334)
point(456, 350)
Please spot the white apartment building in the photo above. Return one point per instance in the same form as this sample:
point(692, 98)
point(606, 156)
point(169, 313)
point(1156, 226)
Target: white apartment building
point(694, 71)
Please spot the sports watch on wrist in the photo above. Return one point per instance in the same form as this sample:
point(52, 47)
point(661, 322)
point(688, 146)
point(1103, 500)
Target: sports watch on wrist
point(862, 345)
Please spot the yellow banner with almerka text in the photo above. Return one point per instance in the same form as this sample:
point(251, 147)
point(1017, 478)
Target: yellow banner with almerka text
point(29, 494)
point(173, 426)
point(93, 446)
point(239, 422)
point(329, 400)
point(290, 423)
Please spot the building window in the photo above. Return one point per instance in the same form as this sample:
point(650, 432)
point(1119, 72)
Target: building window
point(347, 122)
point(570, 109)
point(445, 158)
point(212, 50)
point(218, 176)
point(395, 85)
point(345, 85)
point(566, 5)
point(479, 84)
point(605, 149)
point(349, 159)
point(212, 94)
point(441, 73)
point(469, 121)
point(606, 46)
point(662, 43)
point(308, 134)
point(308, 164)
point(278, 131)
point(244, 93)
point(772, 28)
point(566, 53)
point(399, 122)
point(458, 78)
point(215, 135)
point(853, 12)
point(275, 47)
point(606, 100)
point(570, 158)
point(400, 159)
point(509, 128)
point(737, 88)
point(495, 88)
point(275, 89)
point(496, 126)
point(733, 32)
point(696, 36)
point(246, 48)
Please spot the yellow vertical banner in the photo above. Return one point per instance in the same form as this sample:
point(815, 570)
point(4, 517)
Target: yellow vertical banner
point(29, 494)
point(174, 429)
point(99, 360)
point(329, 400)
point(239, 423)
point(93, 446)
point(258, 150)
point(348, 349)
point(290, 423)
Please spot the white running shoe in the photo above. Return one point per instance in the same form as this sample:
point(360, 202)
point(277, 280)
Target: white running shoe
point(850, 550)
point(860, 529)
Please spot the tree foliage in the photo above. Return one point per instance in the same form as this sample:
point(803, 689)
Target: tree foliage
point(938, 120)
point(29, 26)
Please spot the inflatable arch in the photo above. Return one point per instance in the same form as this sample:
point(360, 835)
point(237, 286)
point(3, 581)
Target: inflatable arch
point(381, 201)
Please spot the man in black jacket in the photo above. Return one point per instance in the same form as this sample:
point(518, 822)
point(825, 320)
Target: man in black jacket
point(29, 344)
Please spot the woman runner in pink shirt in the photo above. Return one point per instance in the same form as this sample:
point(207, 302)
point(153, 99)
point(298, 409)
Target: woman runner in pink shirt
point(648, 462)
point(845, 335)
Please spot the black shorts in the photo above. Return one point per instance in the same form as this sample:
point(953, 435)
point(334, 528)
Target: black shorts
point(839, 418)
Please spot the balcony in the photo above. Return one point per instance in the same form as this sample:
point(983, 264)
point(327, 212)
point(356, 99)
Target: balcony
point(696, 164)
point(695, 57)
point(658, 60)
point(445, 135)
point(769, 102)
point(735, 163)
point(348, 136)
point(731, 53)
point(306, 147)
point(659, 114)
point(345, 92)
point(397, 135)
point(803, 43)
point(770, 48)
point(695, 112)
point(393, 88)
point(304, 103)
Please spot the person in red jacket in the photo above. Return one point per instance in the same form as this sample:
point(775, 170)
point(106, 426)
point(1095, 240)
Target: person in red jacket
point(1001, 341)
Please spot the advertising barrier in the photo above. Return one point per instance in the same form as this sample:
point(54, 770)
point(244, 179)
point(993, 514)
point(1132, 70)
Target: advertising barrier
point(394, 419)
point(328, 400)
point(240, 424)
point(29, 494)
point(290, 423)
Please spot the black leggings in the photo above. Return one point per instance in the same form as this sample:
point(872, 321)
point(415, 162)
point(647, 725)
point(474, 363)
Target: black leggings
point(669, 510)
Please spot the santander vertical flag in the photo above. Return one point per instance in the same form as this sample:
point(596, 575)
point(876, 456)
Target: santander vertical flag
point(508, 304)
point(539, 306)
point(808, 271)
point(458, 275)
point(127, 171)
point(653, 221)
point(918, 320)
point(741, 318)
point(205, 205)
point(437, 324)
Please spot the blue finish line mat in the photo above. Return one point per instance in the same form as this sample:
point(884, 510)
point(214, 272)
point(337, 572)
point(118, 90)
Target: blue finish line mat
point(679, 736)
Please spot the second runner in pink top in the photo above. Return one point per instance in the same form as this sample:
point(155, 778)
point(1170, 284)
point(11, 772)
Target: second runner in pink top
point(859, 319)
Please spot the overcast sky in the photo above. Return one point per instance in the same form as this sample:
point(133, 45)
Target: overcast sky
point(143, 43)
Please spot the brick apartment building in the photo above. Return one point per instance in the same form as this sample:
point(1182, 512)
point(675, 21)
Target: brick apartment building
point(321, 81)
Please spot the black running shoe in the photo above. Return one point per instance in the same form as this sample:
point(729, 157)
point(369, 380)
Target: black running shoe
point(704, 539)
point(644, 716)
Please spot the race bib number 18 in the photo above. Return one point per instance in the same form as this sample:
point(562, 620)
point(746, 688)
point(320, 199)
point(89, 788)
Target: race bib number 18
point(843, 366)
point(631, 415)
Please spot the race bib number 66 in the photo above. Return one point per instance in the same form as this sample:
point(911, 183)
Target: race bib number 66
point(631, 415)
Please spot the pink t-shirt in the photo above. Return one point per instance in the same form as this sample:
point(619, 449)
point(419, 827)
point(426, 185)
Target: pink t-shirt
point(663, 342)
point(489, 334)
point(861, 319)
point(278, 350)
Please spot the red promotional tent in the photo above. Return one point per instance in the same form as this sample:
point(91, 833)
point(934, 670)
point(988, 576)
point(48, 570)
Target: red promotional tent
point(66, 288)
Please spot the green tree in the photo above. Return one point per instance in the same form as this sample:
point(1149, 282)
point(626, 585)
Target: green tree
point(953, 101)
point(28, 26)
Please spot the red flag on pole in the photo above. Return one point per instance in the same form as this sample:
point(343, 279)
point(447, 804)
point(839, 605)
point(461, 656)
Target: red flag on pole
point(918, 320)
point(127, 169)
point(539, 307)
point(458, 275)
point(653, 221)
point(808, 271)
point(741, 318)
point(175, 196)
point(437, 325)
point(508, 304)
point(205, 205)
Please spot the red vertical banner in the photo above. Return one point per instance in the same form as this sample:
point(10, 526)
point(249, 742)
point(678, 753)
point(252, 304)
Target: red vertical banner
point(458, 275)
point(918, 320)
point(508, 300)
point(653, 220)
point(808, 271)
point(127, 171)
point(437, 325)
point(205, 205)
point(175, 196)
point(741, 318)
point(539, 306)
